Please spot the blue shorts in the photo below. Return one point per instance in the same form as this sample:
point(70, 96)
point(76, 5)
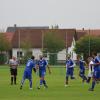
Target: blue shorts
point(96, 74)
point(82, 73)
point(70, 71)
point(42, 73)
point(27, 75)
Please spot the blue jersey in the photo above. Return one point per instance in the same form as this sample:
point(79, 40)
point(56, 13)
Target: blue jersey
point(81, 65)
point(69, 63)
point(42, 65)
point(30, 65)
point(96, 67)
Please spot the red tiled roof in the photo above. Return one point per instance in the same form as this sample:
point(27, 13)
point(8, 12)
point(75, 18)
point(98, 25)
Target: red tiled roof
point(35, 36)
point(9, 36)
point(80, 34)
point(94, 32)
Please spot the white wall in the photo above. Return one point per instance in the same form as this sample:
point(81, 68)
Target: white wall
point(62, 55)
point(14, 52)
point(36, 52)
point(71, 51)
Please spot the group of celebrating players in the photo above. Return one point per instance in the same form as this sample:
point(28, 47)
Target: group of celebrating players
point(41, 65)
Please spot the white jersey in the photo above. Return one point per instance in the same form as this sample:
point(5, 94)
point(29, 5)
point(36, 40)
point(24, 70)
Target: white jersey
point(13, 63)
point(91, 69)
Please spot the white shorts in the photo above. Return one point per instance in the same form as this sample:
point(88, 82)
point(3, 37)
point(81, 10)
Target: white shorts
point(90, 74)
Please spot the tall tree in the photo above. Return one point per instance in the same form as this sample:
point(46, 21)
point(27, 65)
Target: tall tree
point(4, 43)
point(87, 44)
point(26, 45)
point(53, 44)
point(4, 46)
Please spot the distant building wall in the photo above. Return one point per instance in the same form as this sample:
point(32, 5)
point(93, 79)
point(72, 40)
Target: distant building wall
point(36, 52)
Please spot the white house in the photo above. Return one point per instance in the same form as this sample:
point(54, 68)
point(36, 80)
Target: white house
point(35, 37)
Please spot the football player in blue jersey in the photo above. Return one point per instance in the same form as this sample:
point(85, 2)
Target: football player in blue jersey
point(28, 71)
point(81, 64)
point(42, 64)
point(69, 69)
point(96, 73)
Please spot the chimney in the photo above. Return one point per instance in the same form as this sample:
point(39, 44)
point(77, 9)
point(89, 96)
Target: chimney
point(15, 25)
point(82, 29)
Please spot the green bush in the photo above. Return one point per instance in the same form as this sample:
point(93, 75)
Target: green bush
point(3, 58)
point(53, 59)
point(26, 57)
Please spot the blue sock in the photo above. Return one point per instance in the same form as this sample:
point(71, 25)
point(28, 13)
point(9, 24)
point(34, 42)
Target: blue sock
point(30, 83)
point(41, 81)
point(44, 82)
point(93, 84)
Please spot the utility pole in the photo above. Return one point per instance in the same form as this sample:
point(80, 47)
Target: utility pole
point(19, 44)
point(89, 43)
point(66, 45)
point(42, 40)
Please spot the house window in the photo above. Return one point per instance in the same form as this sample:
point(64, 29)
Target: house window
point(19, 54)
point(45, 54)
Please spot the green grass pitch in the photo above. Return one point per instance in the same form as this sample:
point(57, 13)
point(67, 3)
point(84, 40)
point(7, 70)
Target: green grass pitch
point(56, 90)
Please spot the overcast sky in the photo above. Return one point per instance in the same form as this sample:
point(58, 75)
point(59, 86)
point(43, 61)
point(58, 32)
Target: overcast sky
point(65, 13)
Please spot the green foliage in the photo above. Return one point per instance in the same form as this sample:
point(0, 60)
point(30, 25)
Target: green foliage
point(53, 44)
point(3, 58)
point(4, 46)
point(53, 59)
point(26, 45)
point(27, 55)
point(4, 43)
point(82, 46)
